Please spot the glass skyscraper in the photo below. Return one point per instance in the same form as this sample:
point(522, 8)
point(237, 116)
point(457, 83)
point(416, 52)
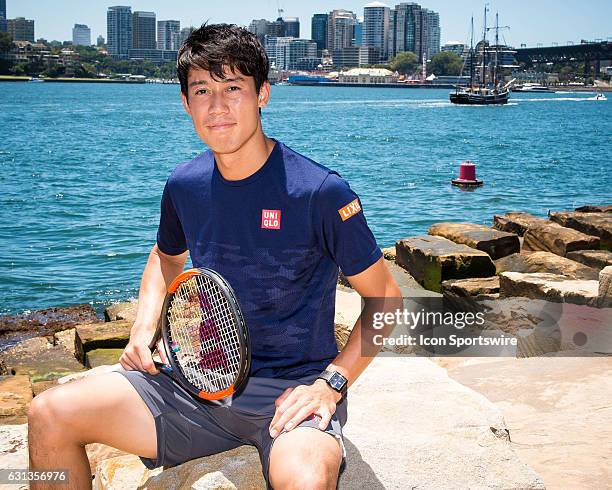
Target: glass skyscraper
point(119, 31)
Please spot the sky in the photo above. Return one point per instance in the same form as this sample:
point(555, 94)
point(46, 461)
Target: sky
point(531, 22)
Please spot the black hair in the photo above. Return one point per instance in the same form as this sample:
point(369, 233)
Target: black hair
point(217, 46)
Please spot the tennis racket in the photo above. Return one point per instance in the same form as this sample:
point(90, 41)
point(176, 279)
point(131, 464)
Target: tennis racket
point(204, 337)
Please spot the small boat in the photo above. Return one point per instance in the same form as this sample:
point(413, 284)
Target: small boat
point(531, 87)
point(600, 96)
point(36, 80)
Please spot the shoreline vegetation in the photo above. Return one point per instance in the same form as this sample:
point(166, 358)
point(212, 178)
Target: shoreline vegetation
point(15, 78)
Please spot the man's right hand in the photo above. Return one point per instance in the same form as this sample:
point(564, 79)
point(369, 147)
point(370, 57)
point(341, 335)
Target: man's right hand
point(137, 355)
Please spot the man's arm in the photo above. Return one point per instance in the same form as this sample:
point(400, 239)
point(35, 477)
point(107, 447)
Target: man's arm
point(294, 405)
point(160, 271)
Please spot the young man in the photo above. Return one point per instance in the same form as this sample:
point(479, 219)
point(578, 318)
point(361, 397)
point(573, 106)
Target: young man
point(277, 226)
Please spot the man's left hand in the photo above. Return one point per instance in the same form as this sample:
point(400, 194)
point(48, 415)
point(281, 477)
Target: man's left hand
point(295, 404)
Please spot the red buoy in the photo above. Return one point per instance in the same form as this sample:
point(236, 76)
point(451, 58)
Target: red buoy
point(467, 176)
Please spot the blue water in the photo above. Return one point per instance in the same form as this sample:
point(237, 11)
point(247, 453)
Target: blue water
point(82, 168)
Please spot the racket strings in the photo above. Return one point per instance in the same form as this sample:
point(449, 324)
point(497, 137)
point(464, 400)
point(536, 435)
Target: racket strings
point(203, 334)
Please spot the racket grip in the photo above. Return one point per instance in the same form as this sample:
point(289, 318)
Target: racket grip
point(164, 368)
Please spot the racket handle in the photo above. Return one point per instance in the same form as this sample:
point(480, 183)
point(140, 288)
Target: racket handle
point(164, 368)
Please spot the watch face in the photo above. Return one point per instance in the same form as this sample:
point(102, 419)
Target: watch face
point(337, 381)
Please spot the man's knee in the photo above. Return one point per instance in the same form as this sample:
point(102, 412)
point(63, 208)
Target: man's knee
point(47, 415)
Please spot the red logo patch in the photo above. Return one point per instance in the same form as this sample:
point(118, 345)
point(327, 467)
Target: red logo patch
point(270, 219)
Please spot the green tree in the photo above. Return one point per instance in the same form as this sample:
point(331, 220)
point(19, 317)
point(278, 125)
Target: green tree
point(6, 42)
point(405, 62)
point(445, 63)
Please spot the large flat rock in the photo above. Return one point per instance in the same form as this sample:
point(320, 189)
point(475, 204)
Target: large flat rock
point(49, 320)
point(494, 242)
point(467, 294)
point(596, 224)
point(433, 259)
point(545, 262)
point(597, 259)
point(552, 237)
point(121, 311)
point(515, 222)
point(557, 410)
point(595, 209)
point(605, 288)
point(108, 335)
point(549, 287)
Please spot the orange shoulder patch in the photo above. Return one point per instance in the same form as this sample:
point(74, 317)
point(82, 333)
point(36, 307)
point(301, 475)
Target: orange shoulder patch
point(350, 209)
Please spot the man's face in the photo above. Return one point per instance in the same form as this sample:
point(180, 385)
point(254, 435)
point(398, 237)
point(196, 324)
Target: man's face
point(225, 113)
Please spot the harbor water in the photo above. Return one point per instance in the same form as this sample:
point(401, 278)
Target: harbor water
point(82, 168)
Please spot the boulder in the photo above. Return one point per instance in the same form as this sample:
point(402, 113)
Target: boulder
point(41, 360)
point(103, 357)
point(433, 259)
point(389, 253)
point(549, 287)
point(595, 209)
point(122, 472)
point(494, 242)
point(108, 335)
point(597, 259)
point(515, 222)
point(71, 342)
point(49, 320)
point(545, 262)
point(121, 311)
point(467, 294)
point(557, 410)
point(605, 288)
point(96, 453)
point(596, 224)
point(15, 398)
point(552, 237)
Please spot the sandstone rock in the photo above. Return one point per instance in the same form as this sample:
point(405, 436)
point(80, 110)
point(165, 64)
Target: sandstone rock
point(557, 410)
point(15, 397)
point(96, 453)
point(49, 320)
point(389, 253)
point(122, 472)
point(433, 259)
point(552, 237)
point(596, 224)
point(41, 360)
point(594, 209)
point(103, 357)
point(515, 222)
point(71, 342)
point(213, 481)
point(39, 386)
point(108, 335)
point(545, 262)
point(605, 288)
point(494, 242)
point(466, 294)
point(597, 259)
point(121, 311)
point(14, 451)
point(549, 287)
point(241, 467)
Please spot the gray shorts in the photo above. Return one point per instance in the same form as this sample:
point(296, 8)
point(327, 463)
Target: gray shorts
point(188, 429)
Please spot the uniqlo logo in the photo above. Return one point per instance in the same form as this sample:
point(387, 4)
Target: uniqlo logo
point(270, 219)
point(351, 209)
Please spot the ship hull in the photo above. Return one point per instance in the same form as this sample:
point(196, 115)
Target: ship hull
point(465, 98)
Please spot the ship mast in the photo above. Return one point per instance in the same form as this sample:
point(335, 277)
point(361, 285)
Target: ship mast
point(472, 67)
point(484, 48)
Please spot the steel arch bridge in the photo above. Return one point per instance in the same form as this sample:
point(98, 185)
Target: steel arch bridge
point(591, 52)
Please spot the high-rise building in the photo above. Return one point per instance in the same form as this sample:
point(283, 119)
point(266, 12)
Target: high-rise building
point(285, 53)
point(359, 33)
point(168, 35)
point(456, 47)
point(81, 35)
point(431, 32)
point(340, 29)
point(376, 27)
point(100, 41)
point(21, 29)
point(119, 31)
point(318, 30)
point(259, 27)
point(3, 23)
point(292, 26)
point(143, 30)
point(184, 34)
point(412, 28)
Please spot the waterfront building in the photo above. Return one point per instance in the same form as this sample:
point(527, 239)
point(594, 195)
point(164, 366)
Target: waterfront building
point(358, 33)
point(457, 47)
point(413, 28)
point(81, 35)
point(119, 31)
point(143, 30)
point(21, 29)
point(157, 56)
point(318, 32)
point(276, 49)
point(355, 56)
point(3, 24)
point(340, 29)
point(367, 76)
point(100, 41)
point(168, 35)
point(259, 27)
point(292, 26)
point(376, 28)
point(286, 53)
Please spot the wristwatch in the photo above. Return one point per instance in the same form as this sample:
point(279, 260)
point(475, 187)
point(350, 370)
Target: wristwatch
point(335, 380)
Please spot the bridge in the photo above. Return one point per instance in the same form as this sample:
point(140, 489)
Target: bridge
point(587, 52)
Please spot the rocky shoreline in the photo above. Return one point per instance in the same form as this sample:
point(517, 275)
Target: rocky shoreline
point(520, 272)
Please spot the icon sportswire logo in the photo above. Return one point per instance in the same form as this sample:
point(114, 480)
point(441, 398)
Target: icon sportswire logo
point(351, 209)
point(270, 219)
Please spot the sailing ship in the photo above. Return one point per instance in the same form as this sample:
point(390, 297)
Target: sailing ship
point(479, 92)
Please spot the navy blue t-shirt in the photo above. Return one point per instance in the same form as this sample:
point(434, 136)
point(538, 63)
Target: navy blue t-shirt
point(278, 237)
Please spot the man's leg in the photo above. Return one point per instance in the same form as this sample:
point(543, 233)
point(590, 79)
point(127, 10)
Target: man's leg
point(104, 408)
point(305, 458)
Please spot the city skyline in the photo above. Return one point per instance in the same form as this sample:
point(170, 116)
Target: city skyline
point(545, 25)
